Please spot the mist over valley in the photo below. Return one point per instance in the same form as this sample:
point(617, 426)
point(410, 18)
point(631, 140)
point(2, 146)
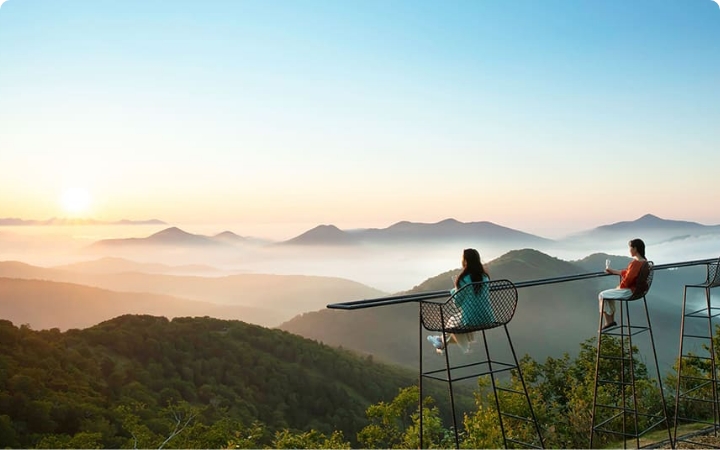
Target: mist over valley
point(47, 272)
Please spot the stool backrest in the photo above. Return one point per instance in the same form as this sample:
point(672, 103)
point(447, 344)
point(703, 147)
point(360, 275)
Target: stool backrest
point(644, 281)
point(476, 306)
point(713, 275)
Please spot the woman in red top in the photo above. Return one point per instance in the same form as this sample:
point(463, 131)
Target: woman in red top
point(628, 279)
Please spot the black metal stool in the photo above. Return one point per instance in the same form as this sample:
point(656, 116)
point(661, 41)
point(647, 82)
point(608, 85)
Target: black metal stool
point(697, 385)
point(475, 307)
point(621, 392)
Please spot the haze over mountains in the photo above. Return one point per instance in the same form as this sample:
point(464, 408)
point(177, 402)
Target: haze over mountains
point(262, 299)
point(173, 236)
point(389, 259)
point(651, 227)
point(12, 221)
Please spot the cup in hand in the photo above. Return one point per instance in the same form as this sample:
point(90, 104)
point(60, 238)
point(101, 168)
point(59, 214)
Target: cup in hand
point(607, 263)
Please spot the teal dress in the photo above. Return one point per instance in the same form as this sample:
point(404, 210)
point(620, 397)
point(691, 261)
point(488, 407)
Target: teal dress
point(475, 308)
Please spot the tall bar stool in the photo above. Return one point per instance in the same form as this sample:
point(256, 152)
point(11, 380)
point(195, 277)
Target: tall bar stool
point(616, 411)
point(697, 385)
point(476, 307)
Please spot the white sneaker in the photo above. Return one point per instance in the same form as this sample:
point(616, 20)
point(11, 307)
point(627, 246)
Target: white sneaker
point(437, 342)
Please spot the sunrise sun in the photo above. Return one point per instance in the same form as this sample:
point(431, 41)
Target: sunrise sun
point(75, 201)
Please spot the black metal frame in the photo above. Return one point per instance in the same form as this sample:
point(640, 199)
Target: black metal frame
point(501, 299)
point(627, 406)
point(691, 393)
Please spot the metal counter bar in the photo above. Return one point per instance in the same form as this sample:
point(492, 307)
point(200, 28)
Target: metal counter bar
point(407, 298)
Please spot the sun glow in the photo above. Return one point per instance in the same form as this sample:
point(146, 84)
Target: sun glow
point(75, 201)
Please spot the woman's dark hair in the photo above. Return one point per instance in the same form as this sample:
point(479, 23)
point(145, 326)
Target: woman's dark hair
point(638, 245)
point(473, 266)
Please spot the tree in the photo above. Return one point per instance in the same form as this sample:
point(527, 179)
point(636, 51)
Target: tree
point(396, 424)
point(310, 439)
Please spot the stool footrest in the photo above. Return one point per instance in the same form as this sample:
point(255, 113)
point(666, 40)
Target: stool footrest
point(614, 382)
point(689, 419)
point(704, 380)
point(526, 444)
point(704, 313)
point(616, 358)
point(706, 358)
point(696, 399)
point(630, 332)
point(696, 336)
point(515, 416)
point(503, 367)
point(513, 391)
point(660, 420)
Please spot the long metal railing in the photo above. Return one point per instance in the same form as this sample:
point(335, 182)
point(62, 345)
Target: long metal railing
point(429, 295)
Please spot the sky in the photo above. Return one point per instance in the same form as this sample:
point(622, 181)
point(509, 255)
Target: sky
point(545, 116)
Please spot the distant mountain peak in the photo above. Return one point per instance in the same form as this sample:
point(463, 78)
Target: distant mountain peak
point(229, 237)
point(649, 227)
point(449, 221)
point(227, 234)
point(323, 234)
point(172, 231)
point(326, 228)
point(168, 236)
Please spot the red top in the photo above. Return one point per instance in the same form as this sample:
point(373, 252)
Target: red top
point(628, 277)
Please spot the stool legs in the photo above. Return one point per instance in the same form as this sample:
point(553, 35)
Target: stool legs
point(501, 415)
point(493, 367)
point(624, 412)
point(664, 417)
point(692, 387)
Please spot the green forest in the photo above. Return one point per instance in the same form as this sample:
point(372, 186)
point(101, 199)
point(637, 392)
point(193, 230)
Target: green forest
point(140, 381)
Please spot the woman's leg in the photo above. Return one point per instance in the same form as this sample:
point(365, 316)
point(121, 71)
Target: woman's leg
point(463, 341)
point(607, 308)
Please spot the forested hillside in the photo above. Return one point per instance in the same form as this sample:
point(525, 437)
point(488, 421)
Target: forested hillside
point(137, 377)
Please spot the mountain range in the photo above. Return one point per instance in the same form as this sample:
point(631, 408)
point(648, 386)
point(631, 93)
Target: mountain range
point(650, 227)
point(409, 232)
point(176, 237)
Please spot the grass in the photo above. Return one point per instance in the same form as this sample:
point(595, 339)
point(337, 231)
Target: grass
point(660, 435)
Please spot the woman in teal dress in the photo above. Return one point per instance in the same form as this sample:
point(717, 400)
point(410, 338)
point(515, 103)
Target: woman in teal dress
point(473, 303)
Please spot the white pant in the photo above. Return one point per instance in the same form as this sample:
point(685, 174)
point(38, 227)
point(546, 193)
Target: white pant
point(610, 295)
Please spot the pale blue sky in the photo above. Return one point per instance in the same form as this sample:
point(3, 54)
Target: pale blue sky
point(547, 116)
